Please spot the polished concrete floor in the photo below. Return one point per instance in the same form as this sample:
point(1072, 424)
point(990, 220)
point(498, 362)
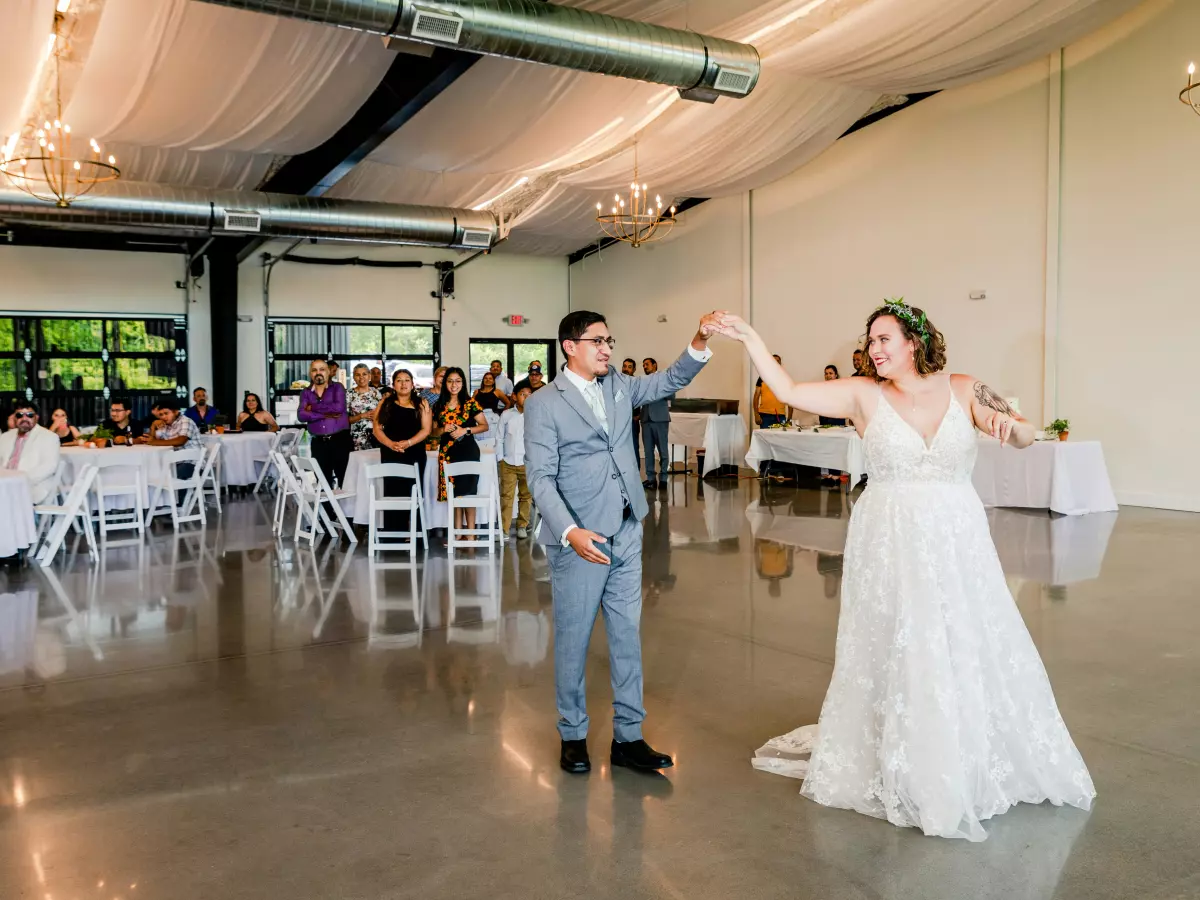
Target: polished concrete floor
point(217, 715)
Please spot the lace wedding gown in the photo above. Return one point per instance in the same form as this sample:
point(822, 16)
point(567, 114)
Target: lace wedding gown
point(939, 714)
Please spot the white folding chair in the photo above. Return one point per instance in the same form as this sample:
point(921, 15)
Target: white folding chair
point(314, 493)
point(285, 443)
point(119, 476)
point(210, 484)
point(165, 494)
point(486, 504)
point(289, 489)
point(414, 504)
point(490, 439)
point(67, 513)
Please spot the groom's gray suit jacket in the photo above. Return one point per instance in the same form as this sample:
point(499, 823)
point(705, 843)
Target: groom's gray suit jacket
point(578, 474)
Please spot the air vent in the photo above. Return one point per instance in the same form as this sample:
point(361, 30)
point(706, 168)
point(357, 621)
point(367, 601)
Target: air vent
point(240, 220)
point(436, 26)
point(476, 239)
point(735, 81)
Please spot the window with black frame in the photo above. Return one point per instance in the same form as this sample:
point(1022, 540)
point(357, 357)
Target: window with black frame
point(292, 345)
point(79, 364)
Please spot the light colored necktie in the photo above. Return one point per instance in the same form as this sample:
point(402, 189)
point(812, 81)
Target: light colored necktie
point(595, 399)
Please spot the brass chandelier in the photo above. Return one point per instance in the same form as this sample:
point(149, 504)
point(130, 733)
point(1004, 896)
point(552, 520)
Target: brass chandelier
point(640, 220)
point(1185, 96)
point(46, 168)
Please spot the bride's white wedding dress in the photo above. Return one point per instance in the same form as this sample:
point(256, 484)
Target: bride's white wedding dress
point(939, 714)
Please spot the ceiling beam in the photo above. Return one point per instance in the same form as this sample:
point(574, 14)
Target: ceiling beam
point(410, 84)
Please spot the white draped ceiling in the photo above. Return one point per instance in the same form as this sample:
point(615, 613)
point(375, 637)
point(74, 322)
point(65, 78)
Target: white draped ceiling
point(193, 94)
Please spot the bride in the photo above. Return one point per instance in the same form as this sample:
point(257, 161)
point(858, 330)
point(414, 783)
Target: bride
point(939, 713)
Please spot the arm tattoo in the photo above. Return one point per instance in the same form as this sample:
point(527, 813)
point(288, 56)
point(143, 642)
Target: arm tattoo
point(989, 398)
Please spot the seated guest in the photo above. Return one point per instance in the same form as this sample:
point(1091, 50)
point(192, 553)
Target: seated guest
point(61, 428)
point(831, 374)
point(253, 417)
point(31, 450)
point(768, 409)
point(174, 430)
point(202, 414)
point(489, 396)
point(120, 421)
point(431, 395)
point(533, 380)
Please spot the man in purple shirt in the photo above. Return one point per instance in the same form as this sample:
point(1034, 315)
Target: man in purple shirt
point(323, 407)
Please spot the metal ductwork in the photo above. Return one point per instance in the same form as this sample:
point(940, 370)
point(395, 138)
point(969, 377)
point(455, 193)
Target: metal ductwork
point(161, 209)
point(701, 67)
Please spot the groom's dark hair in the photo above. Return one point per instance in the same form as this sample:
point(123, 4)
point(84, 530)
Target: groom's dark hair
point(573, 325)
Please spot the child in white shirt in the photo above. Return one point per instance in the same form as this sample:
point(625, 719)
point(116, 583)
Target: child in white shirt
point(512, 464)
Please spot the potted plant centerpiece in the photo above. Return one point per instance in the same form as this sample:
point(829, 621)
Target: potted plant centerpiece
point(1060, 427)
point(101, 436)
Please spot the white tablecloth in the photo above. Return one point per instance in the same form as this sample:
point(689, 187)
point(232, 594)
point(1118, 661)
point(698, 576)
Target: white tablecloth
point(839, 449)
point(16, 513)
point(1067, 477)
point(356, 507)
point(722, 437)
point(239, 453)
point(152, 460)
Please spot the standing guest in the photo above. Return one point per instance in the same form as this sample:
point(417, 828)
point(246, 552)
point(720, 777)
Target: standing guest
point(120, 421)
point(253, 417)
point(32, 450)
point(362, 400)
point(533, 380)
point(512, 465)
point(503, 382)
point(401, 425)
point(335, 372)
point(202, 414)
point(656, 422)
point(489, 396)
point(62, 428)
point(458, 419)
point(377, 378)
point(768, 409)
point(629, 367)
point(831, 374)
point(323, 408)
point(431, 395)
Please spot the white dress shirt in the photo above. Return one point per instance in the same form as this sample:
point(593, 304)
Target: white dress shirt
point(512, 437)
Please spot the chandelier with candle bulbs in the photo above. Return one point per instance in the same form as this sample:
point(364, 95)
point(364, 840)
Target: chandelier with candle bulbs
point(41, 162)
point(637, 220)
point(1185, 96)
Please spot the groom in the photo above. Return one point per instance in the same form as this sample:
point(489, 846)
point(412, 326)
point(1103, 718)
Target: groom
point(582, 471)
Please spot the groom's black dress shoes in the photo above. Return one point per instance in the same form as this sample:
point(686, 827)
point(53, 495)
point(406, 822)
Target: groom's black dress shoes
point(574, 758)
point(639, 755)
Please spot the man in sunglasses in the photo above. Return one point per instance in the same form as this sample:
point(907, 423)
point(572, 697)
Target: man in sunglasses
point(31, 450)
point(581, 469)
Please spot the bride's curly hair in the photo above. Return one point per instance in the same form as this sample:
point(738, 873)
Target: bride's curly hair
point(929, 351)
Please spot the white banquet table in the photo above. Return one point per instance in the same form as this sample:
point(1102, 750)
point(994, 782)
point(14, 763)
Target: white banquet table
point(17, 531)
point(722, 437)
point(1066, 477)
point(839, 449)
point(357, 508)
point(152, 460)
point(239, 453)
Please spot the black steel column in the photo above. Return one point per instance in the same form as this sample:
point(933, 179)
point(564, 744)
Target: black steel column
point(225, 394)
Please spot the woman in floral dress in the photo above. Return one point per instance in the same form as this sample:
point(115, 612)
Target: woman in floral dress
point(457, 418)
point(361, 402)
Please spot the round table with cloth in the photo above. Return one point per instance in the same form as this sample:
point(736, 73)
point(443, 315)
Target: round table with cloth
point(242, 454)
point(153, 462)
point(17, 531)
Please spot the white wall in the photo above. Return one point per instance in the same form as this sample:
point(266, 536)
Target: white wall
point(51, 279)
point(486, 290)
point(961, 193)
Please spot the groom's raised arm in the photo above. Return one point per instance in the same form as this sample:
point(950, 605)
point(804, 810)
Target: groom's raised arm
point(670, 381)
point(541, 467)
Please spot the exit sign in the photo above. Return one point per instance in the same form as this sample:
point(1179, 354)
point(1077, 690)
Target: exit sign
point(515, 320)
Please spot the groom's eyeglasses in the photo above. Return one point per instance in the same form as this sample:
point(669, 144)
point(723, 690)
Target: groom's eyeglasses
point(598, 342)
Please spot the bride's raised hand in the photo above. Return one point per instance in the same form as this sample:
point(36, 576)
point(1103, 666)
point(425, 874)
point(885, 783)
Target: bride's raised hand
point(735, 327)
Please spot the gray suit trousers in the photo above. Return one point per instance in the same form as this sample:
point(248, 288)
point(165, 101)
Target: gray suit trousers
point(582, 589)
point(654, 434)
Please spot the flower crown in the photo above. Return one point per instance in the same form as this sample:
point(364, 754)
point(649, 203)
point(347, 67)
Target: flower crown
point(916, 324)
